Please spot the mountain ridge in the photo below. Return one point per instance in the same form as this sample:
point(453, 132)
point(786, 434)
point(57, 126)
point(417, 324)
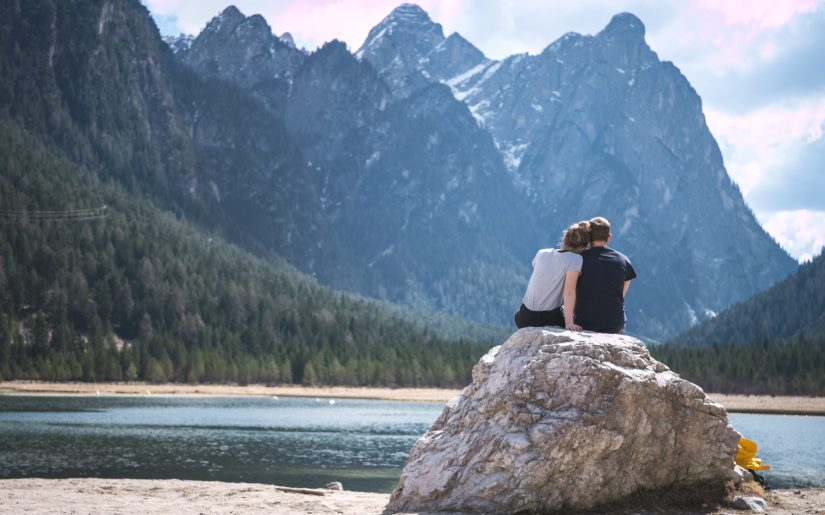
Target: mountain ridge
point(593, 125)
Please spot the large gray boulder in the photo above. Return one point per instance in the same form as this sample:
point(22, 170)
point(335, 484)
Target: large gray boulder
point(556, 419)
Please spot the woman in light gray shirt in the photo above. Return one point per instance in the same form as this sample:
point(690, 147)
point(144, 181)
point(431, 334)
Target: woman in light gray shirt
point(553, 282)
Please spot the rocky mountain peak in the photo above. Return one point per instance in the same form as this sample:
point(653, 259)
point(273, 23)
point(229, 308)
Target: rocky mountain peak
point(332, 51)
point(457, 40)
point(226, 20)
point(287, 39)
point(257, 25)
point(409, 14)
point(453, 56)
point(622, 43)
point(231, 24)
point(399, 45)
point(625, 24)
point(409, 23)
point(245, 51)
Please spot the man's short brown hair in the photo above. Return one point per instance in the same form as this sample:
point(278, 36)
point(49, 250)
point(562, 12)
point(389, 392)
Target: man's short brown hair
point(599, 229)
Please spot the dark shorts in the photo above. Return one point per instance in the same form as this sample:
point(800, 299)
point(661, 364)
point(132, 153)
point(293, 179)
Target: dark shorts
point(528, 318)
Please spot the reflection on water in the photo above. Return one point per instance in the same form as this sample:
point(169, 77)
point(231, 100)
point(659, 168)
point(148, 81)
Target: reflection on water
point(290, 441)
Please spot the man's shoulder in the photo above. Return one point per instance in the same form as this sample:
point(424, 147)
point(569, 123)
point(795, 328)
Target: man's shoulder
point(605, 253)
point(593, 252)
point(622, 261)
point(619, 254)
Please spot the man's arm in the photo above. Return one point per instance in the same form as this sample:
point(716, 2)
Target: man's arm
point(625, 288)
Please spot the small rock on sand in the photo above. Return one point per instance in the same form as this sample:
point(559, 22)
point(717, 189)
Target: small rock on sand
point(751, 503)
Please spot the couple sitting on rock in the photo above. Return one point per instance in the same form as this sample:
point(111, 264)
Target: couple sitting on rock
point(581, 286)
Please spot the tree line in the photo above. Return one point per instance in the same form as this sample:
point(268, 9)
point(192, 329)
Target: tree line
point(762, 367)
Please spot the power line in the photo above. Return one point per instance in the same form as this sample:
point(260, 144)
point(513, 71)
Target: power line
point(65, 215)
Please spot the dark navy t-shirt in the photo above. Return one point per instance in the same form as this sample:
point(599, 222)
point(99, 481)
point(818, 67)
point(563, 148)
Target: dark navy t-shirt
point(599, 299)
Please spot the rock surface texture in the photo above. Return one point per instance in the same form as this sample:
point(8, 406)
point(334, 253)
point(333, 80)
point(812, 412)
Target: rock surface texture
point(556, 419)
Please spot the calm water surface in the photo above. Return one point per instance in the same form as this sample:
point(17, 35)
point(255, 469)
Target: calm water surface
point(290, 441)
point(794, 447)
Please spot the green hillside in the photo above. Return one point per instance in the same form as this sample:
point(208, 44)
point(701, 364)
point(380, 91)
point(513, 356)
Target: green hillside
point(141, 294)
point(794, 307)
point(772, 343)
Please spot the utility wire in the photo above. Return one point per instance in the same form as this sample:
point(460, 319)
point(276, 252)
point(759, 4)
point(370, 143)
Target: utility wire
point(66, 215)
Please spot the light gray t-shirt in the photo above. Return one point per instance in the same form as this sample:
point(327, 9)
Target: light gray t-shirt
point(545, 291)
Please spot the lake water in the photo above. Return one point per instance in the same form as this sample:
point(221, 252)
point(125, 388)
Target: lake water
point(289, 441)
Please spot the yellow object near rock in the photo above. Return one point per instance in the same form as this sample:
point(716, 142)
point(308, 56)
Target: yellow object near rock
point(746, 455)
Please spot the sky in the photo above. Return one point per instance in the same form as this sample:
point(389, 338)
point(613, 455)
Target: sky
point(757, 64)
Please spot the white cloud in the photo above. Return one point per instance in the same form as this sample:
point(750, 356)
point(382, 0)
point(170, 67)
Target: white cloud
point(760, 143)
point(800, 232)
point(714, 36)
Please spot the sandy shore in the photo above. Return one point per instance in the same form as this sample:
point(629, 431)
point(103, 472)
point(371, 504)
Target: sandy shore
point(340, 392)
point(93, 496)
point(734, 403)
point(771, 404)
point(150, 496)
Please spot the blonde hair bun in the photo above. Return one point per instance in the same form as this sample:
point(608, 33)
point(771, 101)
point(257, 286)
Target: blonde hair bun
point(577, 236)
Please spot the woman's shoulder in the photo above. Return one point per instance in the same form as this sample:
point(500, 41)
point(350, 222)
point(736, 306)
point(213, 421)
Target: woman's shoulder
point(562, 257)
point(573, 257)
point(544, 254)
point(568, 260)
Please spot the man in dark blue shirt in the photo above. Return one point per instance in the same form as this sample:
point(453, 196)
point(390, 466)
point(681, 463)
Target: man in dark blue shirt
point(605, 279)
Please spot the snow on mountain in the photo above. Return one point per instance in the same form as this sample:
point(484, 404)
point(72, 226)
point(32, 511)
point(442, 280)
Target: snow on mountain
point(180, 43)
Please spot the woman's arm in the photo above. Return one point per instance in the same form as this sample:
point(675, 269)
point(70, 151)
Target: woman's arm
point(570, 280)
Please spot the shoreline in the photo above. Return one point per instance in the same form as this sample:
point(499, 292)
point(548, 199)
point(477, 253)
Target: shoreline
point(151, 496)
point(755, 404)
point(228, 390)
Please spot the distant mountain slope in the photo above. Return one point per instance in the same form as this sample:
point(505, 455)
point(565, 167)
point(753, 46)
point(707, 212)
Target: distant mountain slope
point(791, 309)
